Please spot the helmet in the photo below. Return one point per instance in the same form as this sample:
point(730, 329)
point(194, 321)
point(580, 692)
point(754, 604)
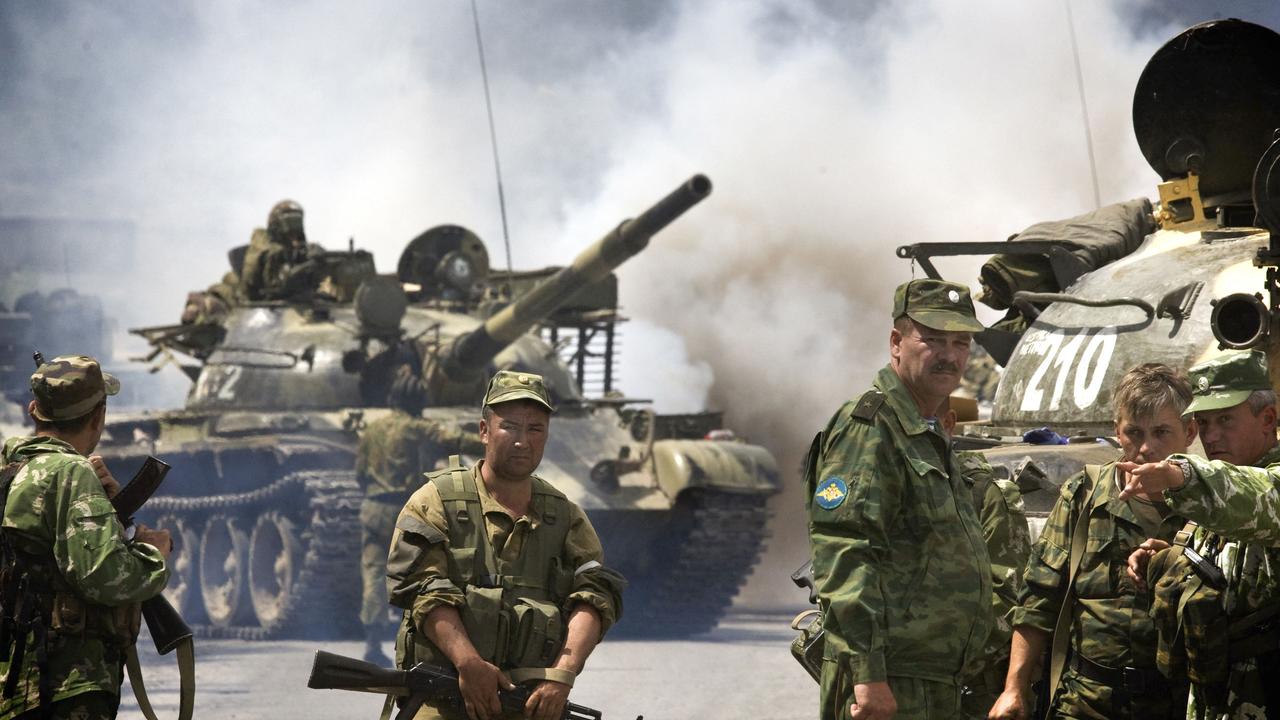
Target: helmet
point(285, 221)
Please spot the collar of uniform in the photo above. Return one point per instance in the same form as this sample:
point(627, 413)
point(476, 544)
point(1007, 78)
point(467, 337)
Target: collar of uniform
point(1270, 457)
point(1109, 494)
point(899, 398)
point(17, 448)
point(489, 505)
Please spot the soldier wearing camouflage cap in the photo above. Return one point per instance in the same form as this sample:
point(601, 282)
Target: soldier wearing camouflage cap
point(82, 576)
point(530, 530)
point(903, 576)
point(1217, 632)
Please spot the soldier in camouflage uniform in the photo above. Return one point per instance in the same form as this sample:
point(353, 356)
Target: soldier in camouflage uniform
point(84, 578)
point(1231, 648)
point(1008, 538)
point(903, 577)
point(1109, 648)
point(276, 265)
point(498, 573)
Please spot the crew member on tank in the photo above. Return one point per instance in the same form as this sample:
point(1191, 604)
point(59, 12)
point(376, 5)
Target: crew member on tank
point(276, 266)
point(498, 573)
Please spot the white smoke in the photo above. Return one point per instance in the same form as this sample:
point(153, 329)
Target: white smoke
point(833, 133)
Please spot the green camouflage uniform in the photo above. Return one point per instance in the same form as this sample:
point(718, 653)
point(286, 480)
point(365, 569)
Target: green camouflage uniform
point(392, 457)
point(1223, 495)
point(1110, 621)
point(1008, 540)
point(57, 509)
point(903, 577)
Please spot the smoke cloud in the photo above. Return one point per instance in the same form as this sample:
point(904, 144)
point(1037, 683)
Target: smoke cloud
point(833, 132)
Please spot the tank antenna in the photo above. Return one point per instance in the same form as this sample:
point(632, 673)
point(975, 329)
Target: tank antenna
point(493, 138)
point(1084, 106)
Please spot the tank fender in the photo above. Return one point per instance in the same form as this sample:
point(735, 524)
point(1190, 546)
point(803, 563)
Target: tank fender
point(724, 465)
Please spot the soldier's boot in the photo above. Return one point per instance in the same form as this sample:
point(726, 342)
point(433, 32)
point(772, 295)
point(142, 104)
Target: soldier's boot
point(373, 646)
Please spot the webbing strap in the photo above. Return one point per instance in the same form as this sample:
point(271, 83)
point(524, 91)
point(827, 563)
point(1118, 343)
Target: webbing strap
point(186, 682)
point(1062, 629)
point(519, 675)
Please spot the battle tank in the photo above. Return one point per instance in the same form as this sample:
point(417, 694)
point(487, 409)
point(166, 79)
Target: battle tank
point(1175, 283)
point(264, 499)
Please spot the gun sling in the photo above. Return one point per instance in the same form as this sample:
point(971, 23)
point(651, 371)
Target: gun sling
point(1062, 629)
point(186, 683)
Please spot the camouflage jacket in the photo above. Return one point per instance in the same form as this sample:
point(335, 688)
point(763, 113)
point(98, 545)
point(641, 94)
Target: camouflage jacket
point(903, 577)
point(396, 450)
point(57, 509)
point(1237, 502)
point(266, 274)
point(1008, 538)
point(421, 576)
point(1110, 620)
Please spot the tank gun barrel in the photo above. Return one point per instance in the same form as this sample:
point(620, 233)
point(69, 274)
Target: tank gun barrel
point(471, 352)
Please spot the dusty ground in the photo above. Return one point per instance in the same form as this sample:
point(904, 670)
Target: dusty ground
point(742, 669)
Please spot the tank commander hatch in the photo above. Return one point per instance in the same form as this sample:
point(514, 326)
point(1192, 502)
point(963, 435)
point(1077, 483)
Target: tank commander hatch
point(499, 574)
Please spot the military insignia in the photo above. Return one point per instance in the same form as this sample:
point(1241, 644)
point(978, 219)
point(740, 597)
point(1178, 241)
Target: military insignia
point(1203, 383)
point(953, 296)
point(831, 493)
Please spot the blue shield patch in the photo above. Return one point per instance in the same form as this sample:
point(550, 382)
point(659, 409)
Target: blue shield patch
point(831, 493)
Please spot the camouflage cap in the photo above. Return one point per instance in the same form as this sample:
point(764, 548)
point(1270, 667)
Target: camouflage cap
point(1227, 380)
point(936, 304)
point(69, 386)
point(509, 385)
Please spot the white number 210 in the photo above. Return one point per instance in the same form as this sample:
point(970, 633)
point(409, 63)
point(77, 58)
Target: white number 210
point(1060, 354)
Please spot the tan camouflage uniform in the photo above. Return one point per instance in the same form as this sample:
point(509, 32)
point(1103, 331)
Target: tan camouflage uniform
point(1008, 540)
point(57, 508)
point(1110, 624)
point(1247, 501)
point(904, 580)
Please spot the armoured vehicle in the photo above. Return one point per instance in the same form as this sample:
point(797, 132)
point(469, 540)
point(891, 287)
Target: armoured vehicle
point(264, 498)
point(1176, 283)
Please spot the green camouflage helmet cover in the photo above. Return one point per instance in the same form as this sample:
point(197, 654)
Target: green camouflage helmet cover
point(1227, 380)
point(508, 385)
point(69, 387)
point(936, 304)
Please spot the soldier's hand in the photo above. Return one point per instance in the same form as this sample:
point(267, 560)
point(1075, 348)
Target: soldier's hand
point(1138, 560)
point(479, 682)
point(109, 483)
point(1011, 705)
point(159, 539)
point(873, 701)
point(547, 701)
point(1149, 479)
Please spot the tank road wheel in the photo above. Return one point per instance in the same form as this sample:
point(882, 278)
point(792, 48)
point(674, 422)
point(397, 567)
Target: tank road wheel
point(183, 590)
point(275, 558)
point(223, 564)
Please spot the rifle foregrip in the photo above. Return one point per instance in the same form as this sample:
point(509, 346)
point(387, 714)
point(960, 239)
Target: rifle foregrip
point(166, 626)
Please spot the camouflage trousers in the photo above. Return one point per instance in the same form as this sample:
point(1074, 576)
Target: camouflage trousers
point(1246, 696)
point(85, 706)
point(1081, 697)
point(377, 523)
point(981, 691)
point(917, 700)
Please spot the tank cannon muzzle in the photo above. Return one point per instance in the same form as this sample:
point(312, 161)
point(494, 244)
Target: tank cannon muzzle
point(467, 357)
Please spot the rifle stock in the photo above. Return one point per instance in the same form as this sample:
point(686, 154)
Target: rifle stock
point(166, 626)
point(337, 672)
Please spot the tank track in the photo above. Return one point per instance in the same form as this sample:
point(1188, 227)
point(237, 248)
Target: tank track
point(706, 566)
point(327, 585)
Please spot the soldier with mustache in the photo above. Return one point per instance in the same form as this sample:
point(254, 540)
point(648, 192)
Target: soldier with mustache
point(899, 560)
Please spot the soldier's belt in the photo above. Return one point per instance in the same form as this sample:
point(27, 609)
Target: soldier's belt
point(1136, 681)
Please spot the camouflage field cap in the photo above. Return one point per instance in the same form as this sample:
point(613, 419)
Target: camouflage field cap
point(936, 304)
point(509, 385)
point(1227, 380)
point(69, 386)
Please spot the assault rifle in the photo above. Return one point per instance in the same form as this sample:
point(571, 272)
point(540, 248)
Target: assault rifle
point(421, 683)
point(163, 622)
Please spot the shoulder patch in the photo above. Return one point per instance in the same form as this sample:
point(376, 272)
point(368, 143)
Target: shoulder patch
point(411, 525)
point(868, 405)
point(831, 493)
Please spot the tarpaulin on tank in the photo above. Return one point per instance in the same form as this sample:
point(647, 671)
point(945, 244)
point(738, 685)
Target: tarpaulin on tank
point(1099, 237)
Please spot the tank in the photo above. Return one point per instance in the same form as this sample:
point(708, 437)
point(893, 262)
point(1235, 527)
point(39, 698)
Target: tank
point(1176, 282)
point(263, 496)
